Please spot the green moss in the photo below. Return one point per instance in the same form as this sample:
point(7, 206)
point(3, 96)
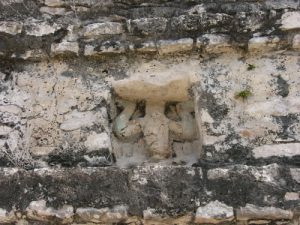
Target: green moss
point(243, 94)
point(251, 67)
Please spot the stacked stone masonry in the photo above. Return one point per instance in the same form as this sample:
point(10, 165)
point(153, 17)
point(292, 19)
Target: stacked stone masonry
point(150, 112)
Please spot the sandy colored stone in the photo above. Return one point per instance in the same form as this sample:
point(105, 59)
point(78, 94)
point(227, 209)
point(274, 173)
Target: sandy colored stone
point(296, 42)
point(10, 27)
point(37, 210)
point(65, 47)
point(40, 28)
point(280, 150)
point(214, 212)
point(104, 215)
point(96, 141)
point(96, 29)
point(290, 21)
point(170, 46)
point(252, 212)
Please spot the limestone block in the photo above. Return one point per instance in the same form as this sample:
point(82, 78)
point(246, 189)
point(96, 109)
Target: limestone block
point(282, 4)
point(5, 130)
point(290, 21)
point(171, 46)
point(147, 26)
point(65, 47)
point(280, 150)
point(104, 215)
point(97, 29)
point(75, 120)
point(54, 3)
point(40, 28)
point(53, 11)
point(296, 42)
point(291, 196)
point(273, 107)
point(96, 141)
point(37, 210)
point(105, 47)
point(10, 27)
point(7, 217)
point(295, 172)
point(35, 54)
point(214, 43)
point(252, 212)
point(263, 43)
point(218, 173)
point(214, 212)
point(147, 47)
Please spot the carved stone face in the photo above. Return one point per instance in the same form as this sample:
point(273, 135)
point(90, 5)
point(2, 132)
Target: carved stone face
point(168, 113)
point(157, 130)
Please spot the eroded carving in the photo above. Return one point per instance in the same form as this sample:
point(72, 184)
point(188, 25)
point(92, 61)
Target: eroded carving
point(160, 126)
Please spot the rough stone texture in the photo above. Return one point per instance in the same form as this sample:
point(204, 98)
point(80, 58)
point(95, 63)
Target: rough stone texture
point(111, 195)
point(290, 21)
point(157, 109)
point(214, 212)
point(287, 150)
point(253, 212)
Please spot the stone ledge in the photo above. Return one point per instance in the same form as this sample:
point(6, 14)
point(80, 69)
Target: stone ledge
point(153, 186)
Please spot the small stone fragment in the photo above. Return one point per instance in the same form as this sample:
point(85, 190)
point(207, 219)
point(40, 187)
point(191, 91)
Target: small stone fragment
point(171, 46)
point(10, 27)
point(263, 43)
point(65, 47)
point(97, 29)
point(214, 212)
point(7, 217)
point(290, 21)
point(104, 215)
point(291, 196)
point(252, 212)
point(53, 11)
point(214, 43)
point(40, 28)
point(296, 42)
point(280, 150)
point(96, 142)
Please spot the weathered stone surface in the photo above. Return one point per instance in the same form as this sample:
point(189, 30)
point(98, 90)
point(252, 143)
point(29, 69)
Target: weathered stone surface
point(38, 210)
point(108, 47)
point(11, 27)
point(296, 42)
point(97, 29)
point(65, 47)
point(146, 26)
point(290, 20)
point(214, 212)
point(295, 174)
point(105, 215)
point(53, 11)
point(76, 120)
point(213, 43)
point(147, 47)
point(169, 46)
point(263, 43)
point(282, 4)
point(63, 111)
point(40, 28)
point(251, 212)
point(281, 150)
point(7, 217)
point(291, 196)
point(96, 141)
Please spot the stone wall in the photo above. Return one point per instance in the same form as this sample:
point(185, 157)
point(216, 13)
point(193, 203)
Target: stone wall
point(149, 112)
